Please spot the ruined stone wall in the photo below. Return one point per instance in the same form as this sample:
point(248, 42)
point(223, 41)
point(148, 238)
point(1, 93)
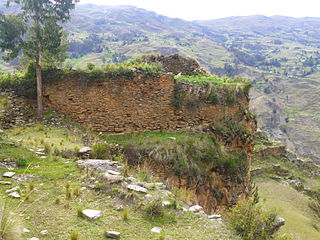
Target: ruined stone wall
point(127, 105)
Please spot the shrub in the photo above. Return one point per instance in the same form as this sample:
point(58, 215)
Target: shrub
point(80, 212)
point(251, 222)
point(125, 214)
point(21, 162)
point(100, 151)
point(154, 209)
point(90, 66)
point(9, 226)
point(74, 235)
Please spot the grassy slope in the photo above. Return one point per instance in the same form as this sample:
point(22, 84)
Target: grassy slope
point(40, 212)
point(292, 206)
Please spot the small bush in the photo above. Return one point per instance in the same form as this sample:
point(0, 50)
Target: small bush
point(154, 209)
point(79, 212)
point(251, 222)
point(74, 235)
point(100, 151)
point(125, 214)
point(9, 225)
point(57, 201)
point(21, 162)
point(76, 191)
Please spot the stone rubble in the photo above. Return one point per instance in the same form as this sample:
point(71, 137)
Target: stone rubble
point(137, 188)
point(14, 195)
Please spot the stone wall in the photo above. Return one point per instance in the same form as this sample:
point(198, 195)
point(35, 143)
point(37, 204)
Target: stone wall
point(128, 105)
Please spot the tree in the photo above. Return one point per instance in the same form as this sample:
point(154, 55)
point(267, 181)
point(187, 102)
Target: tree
point(36, 31)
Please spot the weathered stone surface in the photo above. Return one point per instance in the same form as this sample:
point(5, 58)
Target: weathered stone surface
point(14, 195)
point(33, 238)
point(1, 132)
point(113, 234)
point(91, 214)
point(137, 188)
point(8, 174)
point(278, 223)
point(156, 230)
point(195, 208)
point(98, 164)
point(112, 178)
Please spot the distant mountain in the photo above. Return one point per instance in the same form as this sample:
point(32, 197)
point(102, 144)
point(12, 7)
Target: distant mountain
point(281, 55)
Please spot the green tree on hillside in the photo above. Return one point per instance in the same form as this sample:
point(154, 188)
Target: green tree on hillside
point(36, 31)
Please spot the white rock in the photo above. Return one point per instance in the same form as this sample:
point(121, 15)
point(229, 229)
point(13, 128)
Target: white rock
point(172, 138)
point(25, 230)
point(44, 232)
point(14, 195)
point(147, 196)
point(5, 183)
point(195, 208)
point(113, 172)
point(166, 203)
point(137, 188)
point(33, 238)
point(1, 132)
point(12, 190)
point(85, 150)
point(43, 157)
point(40, 150)
point(8, 174)
point(40, 153)
point(113, 234)
point(91, 214)
point(215, 216)
point(156, 230)
point(112, 178)
point(132, 179)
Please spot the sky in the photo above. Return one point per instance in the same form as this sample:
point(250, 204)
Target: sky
point(212, 9)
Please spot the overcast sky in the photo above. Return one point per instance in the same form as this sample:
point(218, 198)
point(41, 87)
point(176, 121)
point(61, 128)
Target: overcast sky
point(210, 9)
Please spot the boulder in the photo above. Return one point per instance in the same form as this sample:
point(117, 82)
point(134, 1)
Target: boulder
point(12, 190)
point(1, 132)
point(215, 216)
point(44, 232)
point(113, 235)
point(278, 223)
point(85, 150)
point(91, 214)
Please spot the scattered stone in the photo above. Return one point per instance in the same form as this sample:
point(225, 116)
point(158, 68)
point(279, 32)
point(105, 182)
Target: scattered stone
point(43, 157)
point(160, 185)
point(132, 179)
point(98, 164)
point(14, 195)
point(25, 230)
point(256, 171)
point(85, 150)
point(91, 214)
point(33, 238)
point(156, 230)
point(113, 172)
point(8, 174)
point(83, 188)
point(195, 208)
point(1, 132)
point(12, 190)
point(44, 232)
point(172, 138)
point(279, 222)
point(147, 196)
point(215, 216)
point(137, 188)
point(5, 183)
point(120, 208)
point(40, 153)
point(166, 203)
point(113, 178)
point(113, 234)
point(23, 177)
point(276, 166)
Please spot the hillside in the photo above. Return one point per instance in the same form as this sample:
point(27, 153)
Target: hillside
point(279, 54)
